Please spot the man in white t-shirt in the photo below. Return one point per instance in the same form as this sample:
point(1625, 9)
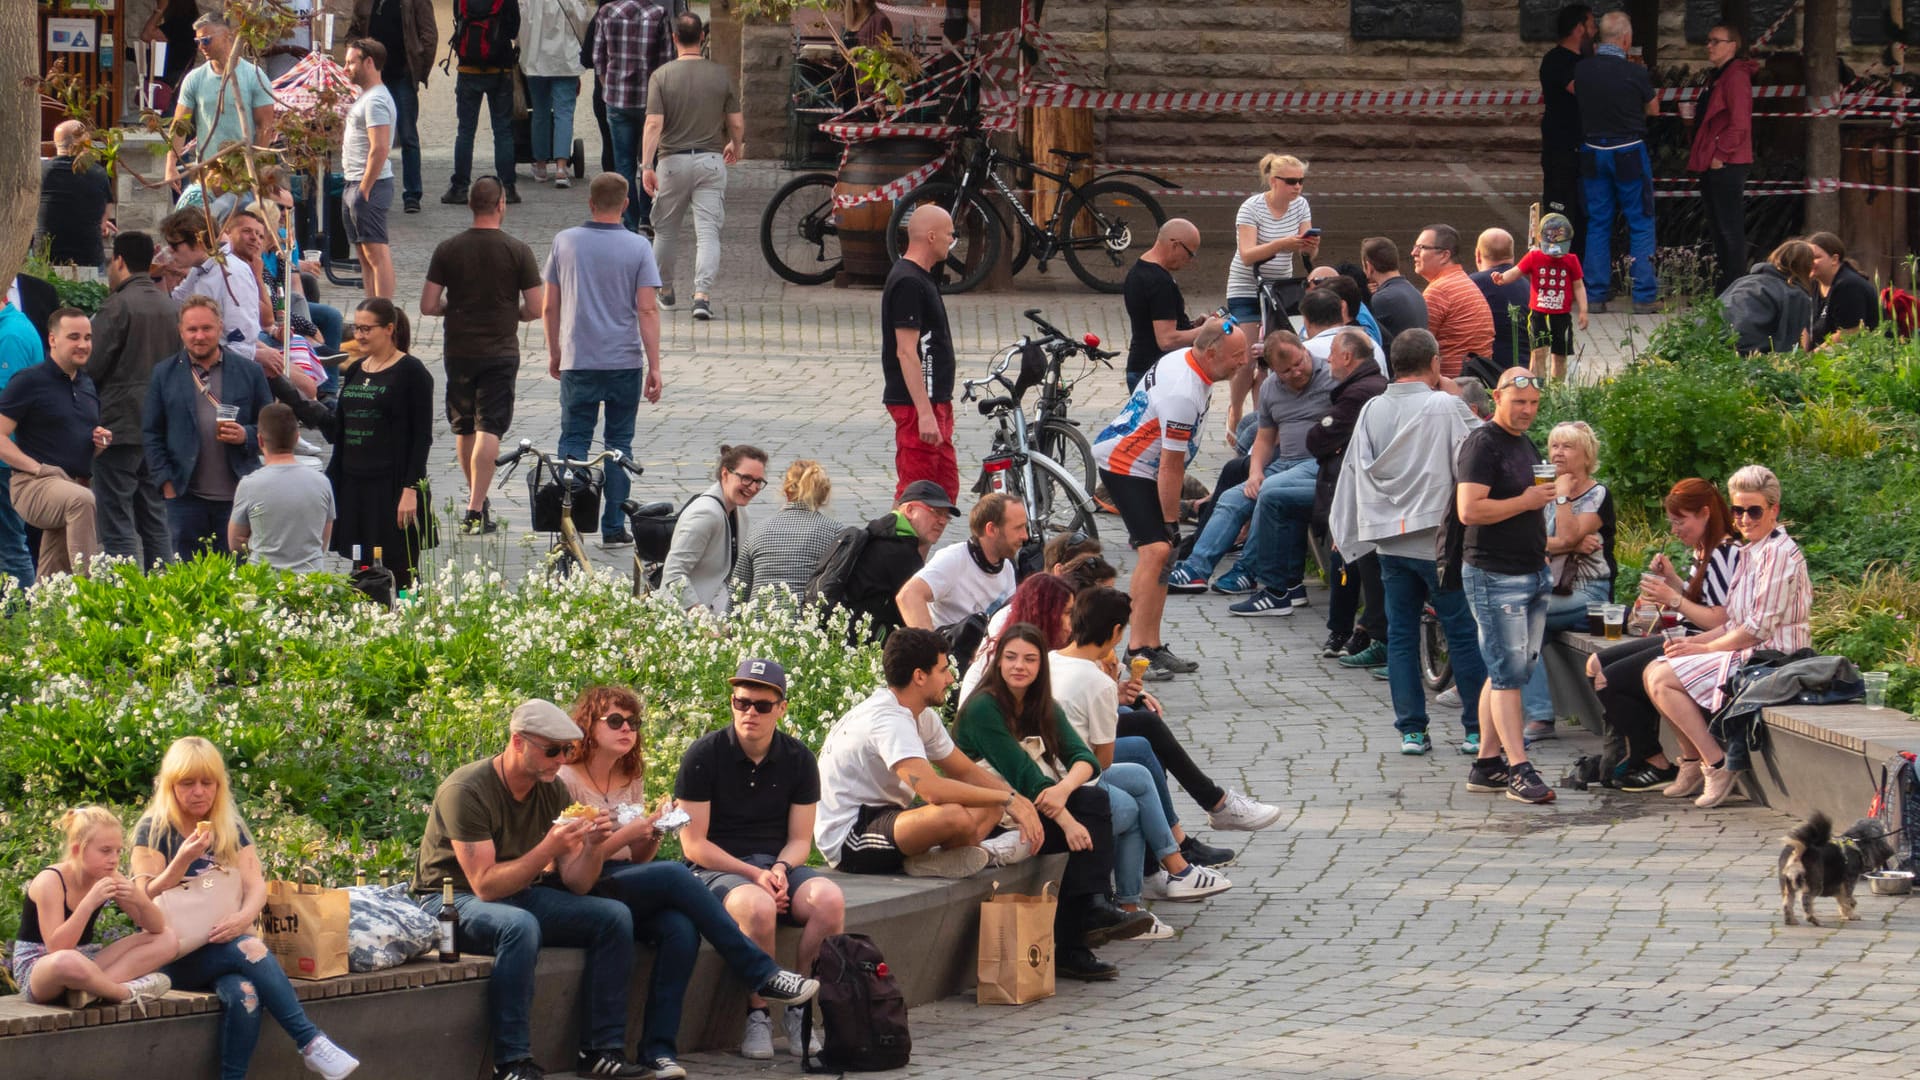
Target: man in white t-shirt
point(366, 165)
point(968, 578)
point(880, 758)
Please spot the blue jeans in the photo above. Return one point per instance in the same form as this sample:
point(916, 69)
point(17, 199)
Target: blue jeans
point(627, 125)
point(512, 931)
point(1410, 584)
point(468, 91)
point(1276, 551)
point(406, 137)
point(1245, 311)
point(1619, 177)
point(1138, 751)
point(1511, 610)
point(332, 324)
point(581, 395)
point(1230, 511)
point(15, 560)
point(1139, 826)
point(198, 525)
point(672, 909)
point(1563, 613)
point(244, 987)
point(551, 98)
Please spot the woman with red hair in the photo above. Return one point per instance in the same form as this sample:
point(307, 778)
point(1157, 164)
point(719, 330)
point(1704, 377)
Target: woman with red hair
point(1044, 601)
point(1698, 516)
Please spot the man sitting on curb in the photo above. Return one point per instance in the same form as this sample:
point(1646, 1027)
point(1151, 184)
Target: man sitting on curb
point(968, 578)
point(896, 549)
point(750, 791)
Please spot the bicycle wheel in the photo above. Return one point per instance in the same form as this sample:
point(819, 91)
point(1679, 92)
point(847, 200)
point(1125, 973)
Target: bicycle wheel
point(797, 233)
point(1065, 444)
point(1058, 504)
point(977, 233)
point(1436, 667)
point(1109, 225)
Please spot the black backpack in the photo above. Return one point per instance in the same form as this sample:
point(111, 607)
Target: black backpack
point(483, 32)
point(862, 1012)
point(828, 585)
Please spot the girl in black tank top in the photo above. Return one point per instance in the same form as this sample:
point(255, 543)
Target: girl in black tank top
point(55, 955)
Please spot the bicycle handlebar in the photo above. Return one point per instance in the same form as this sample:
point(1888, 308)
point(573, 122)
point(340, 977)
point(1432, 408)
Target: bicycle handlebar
point(526, 447)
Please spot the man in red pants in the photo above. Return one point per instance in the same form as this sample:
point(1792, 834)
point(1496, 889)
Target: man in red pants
point(916, 358)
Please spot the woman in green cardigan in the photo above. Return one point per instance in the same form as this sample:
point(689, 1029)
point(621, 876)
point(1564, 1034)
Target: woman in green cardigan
point(1012, 725)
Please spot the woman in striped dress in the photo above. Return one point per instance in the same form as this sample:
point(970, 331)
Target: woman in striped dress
point(1767, 607)
point(789, 547)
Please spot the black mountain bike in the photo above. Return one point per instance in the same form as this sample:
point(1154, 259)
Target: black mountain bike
point(797, 232)
point(1050, 431)
point(1100, 227)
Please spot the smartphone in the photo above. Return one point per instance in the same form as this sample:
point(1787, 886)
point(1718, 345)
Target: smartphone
point(1313, 234)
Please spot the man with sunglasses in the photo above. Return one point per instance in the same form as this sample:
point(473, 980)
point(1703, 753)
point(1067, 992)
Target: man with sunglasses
point(1505, 573)
point(521, 873)
point(222, 112)
point(1156, 310)
point(750, 792)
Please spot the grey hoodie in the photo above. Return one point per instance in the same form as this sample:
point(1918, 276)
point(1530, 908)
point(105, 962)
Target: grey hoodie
point(1397, 479)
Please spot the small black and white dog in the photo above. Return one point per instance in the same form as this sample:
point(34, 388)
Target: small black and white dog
point(1814, 863)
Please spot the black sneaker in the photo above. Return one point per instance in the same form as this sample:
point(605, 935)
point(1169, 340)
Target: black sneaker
point(513, 194)
point(789, 988)
point(608, 1063)
point(1335, 647)
point(455, 196)
point(1101, 921)
point(519, 1070)
point(1203, 854)
point(1155, 671)
point(1524, 785)
point(1163, 656)
point(1357, 643)
point(665, 297)
point(663, 1068)
point(412, 204)
point(1648, 778)
point(1075, 962)
point(480, 522)
point(702, 308)
point(1488, 775)
point(621, 539)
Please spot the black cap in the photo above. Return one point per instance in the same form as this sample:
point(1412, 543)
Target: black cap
point(929, 493)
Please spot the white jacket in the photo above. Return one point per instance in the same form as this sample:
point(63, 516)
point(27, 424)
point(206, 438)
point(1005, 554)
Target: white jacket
point(1397, 478)
point(550, 35)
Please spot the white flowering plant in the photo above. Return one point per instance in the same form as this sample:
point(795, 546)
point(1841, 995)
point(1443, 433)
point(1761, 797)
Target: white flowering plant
point(338, 717)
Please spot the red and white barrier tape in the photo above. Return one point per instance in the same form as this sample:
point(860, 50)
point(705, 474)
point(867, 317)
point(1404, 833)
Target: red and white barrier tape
point(893, 189)
point(1777, 24)
point(1061, 95)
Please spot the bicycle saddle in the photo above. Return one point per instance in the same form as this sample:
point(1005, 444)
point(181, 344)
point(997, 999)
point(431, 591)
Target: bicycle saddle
point(1070, 155)
point(993, 404)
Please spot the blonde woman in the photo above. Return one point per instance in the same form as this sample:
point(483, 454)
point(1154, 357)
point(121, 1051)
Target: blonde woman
point(788, 548)
point(1269, 230)
point(55, 952)
point(1580, 530)
point(192, 828)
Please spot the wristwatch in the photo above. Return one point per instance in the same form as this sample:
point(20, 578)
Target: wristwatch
point(1561, 500)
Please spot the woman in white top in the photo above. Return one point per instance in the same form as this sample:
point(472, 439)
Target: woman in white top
point(1269, 228)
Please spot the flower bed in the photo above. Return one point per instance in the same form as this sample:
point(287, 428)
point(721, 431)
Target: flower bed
point(339, 718)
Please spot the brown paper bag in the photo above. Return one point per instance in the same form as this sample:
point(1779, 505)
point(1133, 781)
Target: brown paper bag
point(1016, 947)
point(305, 925)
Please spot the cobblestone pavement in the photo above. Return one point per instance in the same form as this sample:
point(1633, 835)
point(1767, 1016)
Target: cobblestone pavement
point(1392, 924)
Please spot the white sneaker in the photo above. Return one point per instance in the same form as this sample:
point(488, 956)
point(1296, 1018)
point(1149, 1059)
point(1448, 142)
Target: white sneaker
point(323, 1057)
point(539, 172)
point(145, 990)
point(956, 862)
point(1159, 931)
point(792, 1021)
point(1154, 886)
point(1197, 883)
point(1006, 849)
point(1450, 697)
point(307, 449)
point(561, 179)
point(1243, 814)
point(757, 1043)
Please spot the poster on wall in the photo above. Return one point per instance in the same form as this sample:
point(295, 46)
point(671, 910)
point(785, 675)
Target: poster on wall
point(71, 36)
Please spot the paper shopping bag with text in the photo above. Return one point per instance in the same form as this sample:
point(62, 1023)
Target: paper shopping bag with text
point(306, 927)
point(1016, 947)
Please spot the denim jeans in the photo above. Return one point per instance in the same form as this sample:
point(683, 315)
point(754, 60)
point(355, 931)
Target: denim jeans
point(673, 910)
point(582, 393)
point(468, 92)
point(1244, 311)
point(1276, 551)
point(1619, 178)
point(1511, 610)
point(16, 561)
point(1138, 751)
point(131, 515)
point(512, 931)
point(695, 183)
point(198, 525)
point(1169, 754)
point(1139, 826)
point(1563, 613)
point(406, 136)
point(1410, 584)
point(332, 324)
point(245, 987)
point(551, 98)
point(1232, 510)
point(627, 126)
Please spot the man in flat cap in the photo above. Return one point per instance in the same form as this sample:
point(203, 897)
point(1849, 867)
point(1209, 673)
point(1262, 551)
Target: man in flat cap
point(500, 831)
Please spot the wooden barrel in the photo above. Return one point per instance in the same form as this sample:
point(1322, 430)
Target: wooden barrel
point(863, 228)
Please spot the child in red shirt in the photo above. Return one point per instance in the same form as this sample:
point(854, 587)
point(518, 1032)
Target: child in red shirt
point(1553, 273)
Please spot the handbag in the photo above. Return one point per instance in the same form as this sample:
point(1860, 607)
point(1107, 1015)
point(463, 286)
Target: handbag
point(197, 903)
point(1016, 947)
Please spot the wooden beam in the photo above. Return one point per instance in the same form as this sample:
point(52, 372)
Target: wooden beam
point(1823, 132)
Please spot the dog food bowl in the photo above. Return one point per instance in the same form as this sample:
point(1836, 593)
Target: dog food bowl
point(1890, 882)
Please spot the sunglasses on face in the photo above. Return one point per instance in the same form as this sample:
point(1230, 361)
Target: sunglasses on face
point(208, 40)
point(1292, 181)
point(1523, 382)
point(741, 704)
point(551, 750)
point(1754, 512)
point(619, 721)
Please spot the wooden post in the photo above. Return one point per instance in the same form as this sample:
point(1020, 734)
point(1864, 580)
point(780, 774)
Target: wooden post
point(1058, 129)
point(1822, 21)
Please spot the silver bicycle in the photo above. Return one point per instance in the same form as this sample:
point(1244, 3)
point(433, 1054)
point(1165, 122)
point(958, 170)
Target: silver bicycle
point(1055, 501)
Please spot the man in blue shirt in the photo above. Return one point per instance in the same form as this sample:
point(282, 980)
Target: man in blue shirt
point(20, 349)
point(49, 432)
point(1616, 96)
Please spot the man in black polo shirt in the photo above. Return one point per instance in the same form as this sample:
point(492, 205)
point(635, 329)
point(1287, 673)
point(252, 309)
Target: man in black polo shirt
point(1560, 132)
point(49, 431)
point(749, 791)
point(1156, 311)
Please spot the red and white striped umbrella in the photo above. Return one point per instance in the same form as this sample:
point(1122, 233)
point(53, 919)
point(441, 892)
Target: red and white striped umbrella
point(299, 89)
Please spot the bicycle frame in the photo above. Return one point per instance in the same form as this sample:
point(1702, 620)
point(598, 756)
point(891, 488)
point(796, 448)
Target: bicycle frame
point(986, 162)
point(568, 539)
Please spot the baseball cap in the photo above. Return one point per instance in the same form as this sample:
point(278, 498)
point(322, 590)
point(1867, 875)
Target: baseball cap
point(1556, 234)
point(545, 719)
point(929, 493)
point(767, 673)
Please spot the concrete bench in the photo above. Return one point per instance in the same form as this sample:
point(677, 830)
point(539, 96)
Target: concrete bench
point(1818, 757)
point(428, 1021)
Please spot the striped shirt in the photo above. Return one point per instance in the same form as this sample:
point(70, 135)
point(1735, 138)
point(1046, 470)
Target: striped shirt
point(785, 551)
point(1717, 579)
point(1266, 229)
point(1771, 600)
point(1458, 316)
point(630, 43)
